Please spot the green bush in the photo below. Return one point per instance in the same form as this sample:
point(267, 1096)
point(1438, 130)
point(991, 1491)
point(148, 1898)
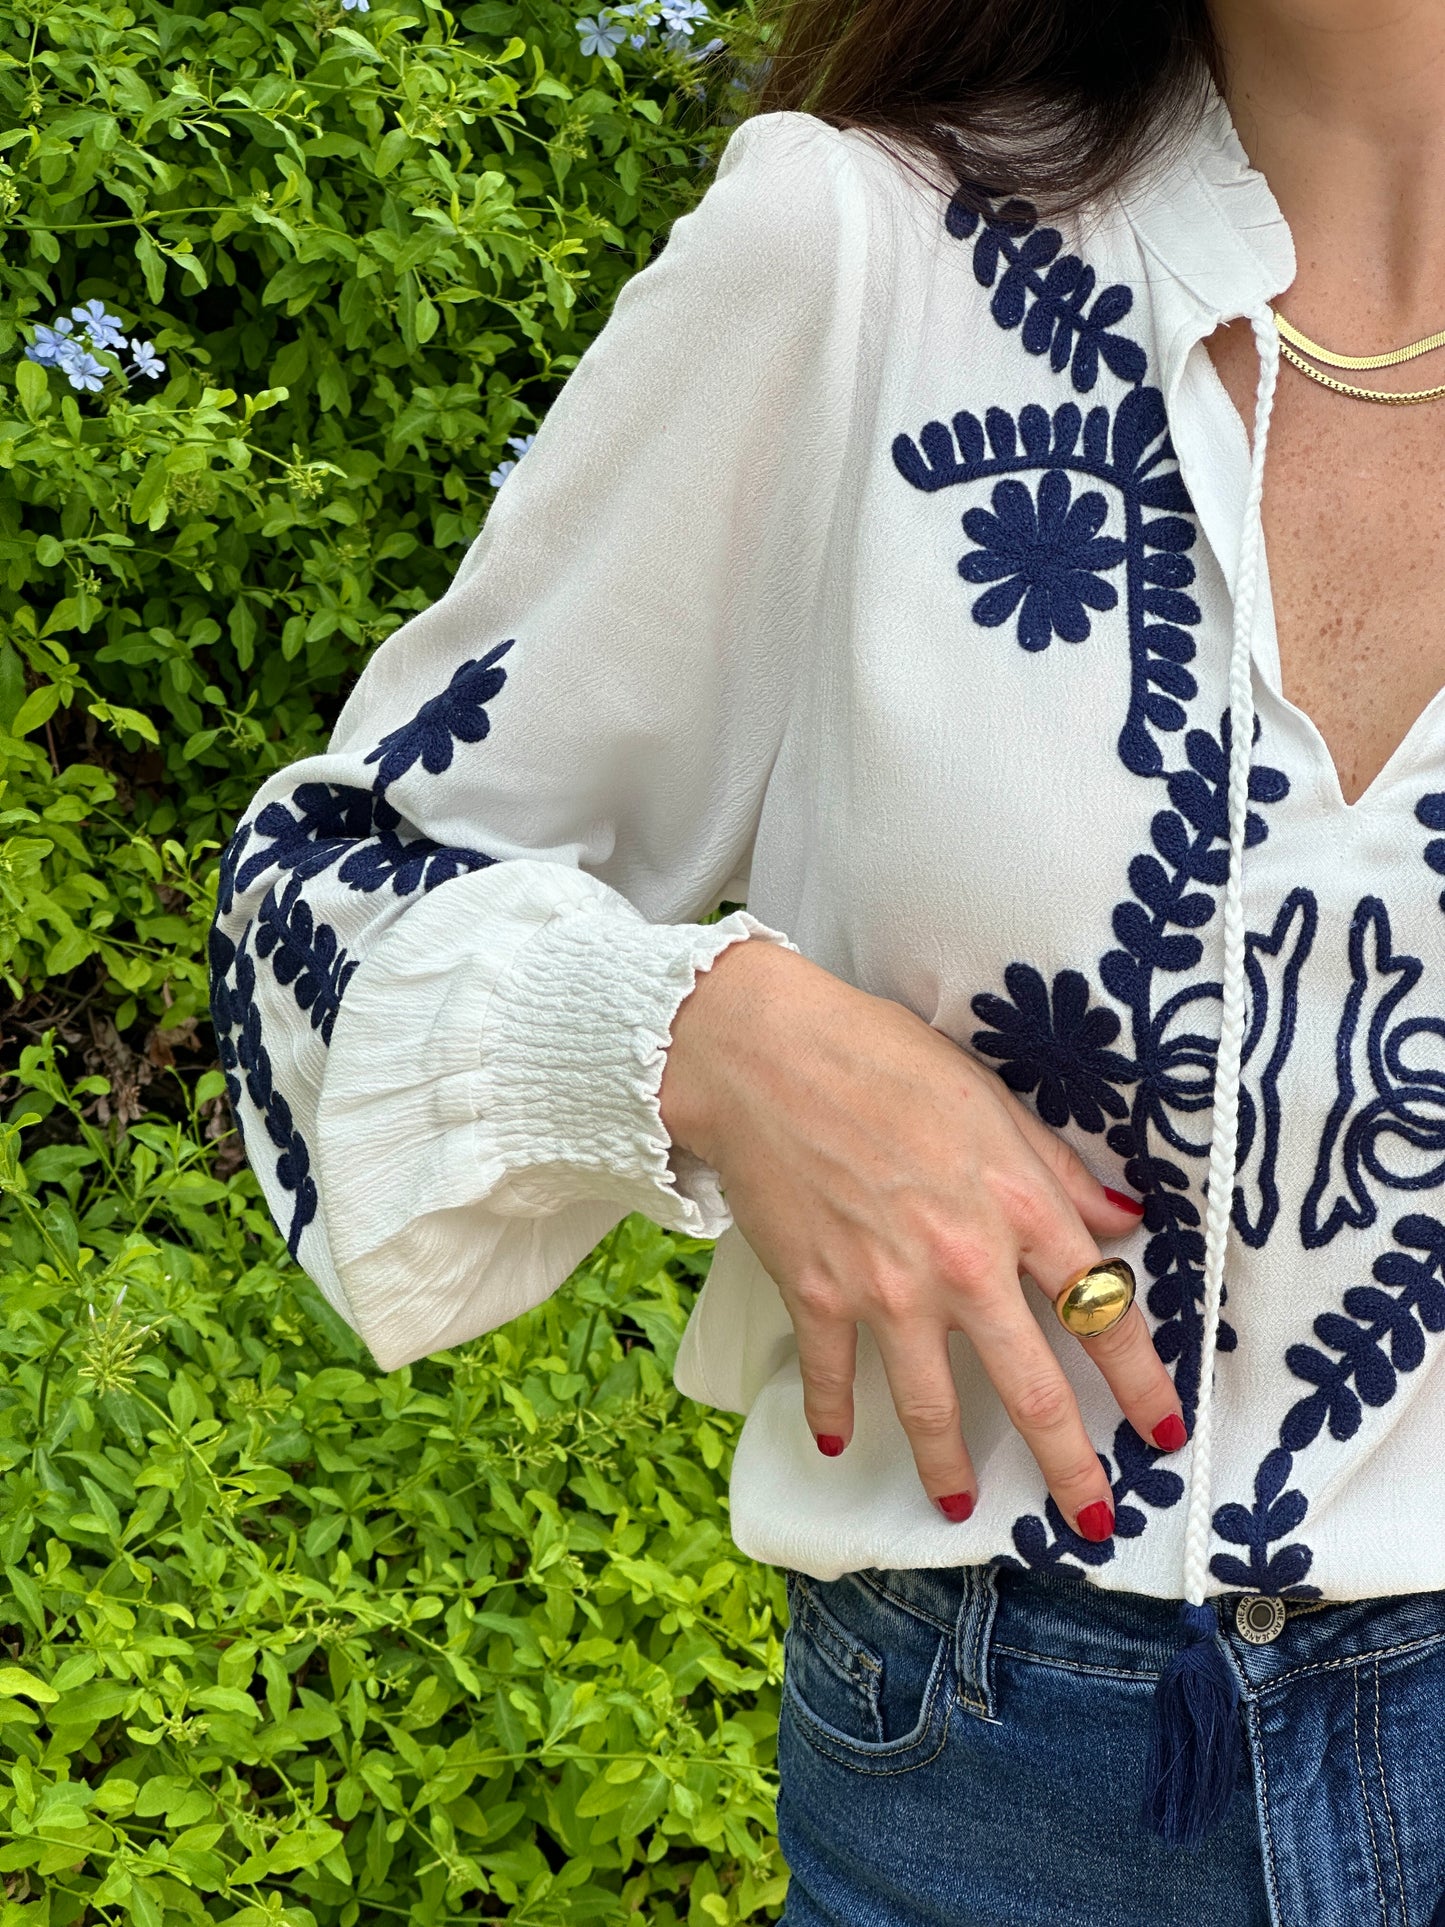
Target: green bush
point(286, 1640)
point(292, 1641)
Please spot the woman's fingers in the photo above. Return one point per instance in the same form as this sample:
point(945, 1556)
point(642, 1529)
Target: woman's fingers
point(920, 1377)
point(1106, 1213)
point(1041, 1405)
point(1053, 1248)
point(1145, 1391)
point(828, 1360)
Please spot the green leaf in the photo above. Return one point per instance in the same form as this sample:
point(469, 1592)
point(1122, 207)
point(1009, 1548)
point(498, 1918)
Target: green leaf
point(36, 710)
point(153, 265)
point(16, 1683)
point(33, 387)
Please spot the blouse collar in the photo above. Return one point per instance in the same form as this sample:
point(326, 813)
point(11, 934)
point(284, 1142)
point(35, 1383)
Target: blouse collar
point(1211, 220)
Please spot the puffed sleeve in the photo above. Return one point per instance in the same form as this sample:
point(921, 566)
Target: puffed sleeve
point(448, 950)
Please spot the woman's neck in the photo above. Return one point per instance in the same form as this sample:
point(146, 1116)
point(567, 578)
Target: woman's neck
point(1341, 105)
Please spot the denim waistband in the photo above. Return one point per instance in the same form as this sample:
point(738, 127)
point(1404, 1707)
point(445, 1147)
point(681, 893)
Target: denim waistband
point(1057, 1619)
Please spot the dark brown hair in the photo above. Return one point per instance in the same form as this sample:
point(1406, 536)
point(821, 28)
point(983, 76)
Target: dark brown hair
point(1055, 100)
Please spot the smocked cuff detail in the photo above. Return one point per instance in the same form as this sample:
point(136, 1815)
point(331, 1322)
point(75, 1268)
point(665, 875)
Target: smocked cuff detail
point(576, 1043)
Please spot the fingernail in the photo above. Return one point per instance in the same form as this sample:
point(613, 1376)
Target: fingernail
point(1169, 1433)
point(957, 1506)
point(829, 1444)
point(1096, 1522)
point(1124, 1201)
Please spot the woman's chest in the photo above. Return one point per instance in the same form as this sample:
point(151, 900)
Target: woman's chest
point(1354, 519)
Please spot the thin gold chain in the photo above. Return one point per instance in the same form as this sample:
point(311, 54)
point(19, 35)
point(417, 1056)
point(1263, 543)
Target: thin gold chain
point(1402, 400)
point(1332, 360)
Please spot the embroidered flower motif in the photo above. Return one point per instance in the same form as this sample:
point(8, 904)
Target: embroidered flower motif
point(1056, 1045)
point(457, 715)
point(1048, 556)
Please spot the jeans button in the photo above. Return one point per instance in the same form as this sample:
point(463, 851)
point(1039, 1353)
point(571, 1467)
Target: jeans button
point(1259, 1619)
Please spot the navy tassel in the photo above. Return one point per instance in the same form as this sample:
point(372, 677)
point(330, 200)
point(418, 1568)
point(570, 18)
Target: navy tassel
point(1194, 1751)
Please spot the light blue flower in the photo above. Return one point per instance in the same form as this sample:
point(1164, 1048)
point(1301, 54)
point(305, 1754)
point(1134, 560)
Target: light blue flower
point(105, 330)
point(82, 370)
point(356, 6)
point(683, 14)
point(147, 361)
point(701, 53)
point(600, 35)
point(50, 343)
point(519, 444)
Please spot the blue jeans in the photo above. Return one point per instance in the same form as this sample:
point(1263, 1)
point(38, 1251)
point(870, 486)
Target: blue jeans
point(966, 1748)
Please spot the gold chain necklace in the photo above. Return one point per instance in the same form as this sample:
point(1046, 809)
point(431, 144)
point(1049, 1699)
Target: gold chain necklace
point(1332, 360)
point(1291, 340)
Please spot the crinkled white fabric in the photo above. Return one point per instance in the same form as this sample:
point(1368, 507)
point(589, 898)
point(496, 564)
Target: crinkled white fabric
point(879, 569)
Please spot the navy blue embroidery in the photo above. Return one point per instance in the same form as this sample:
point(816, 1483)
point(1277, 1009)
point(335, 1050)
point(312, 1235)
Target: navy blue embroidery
point(1035, 283)
point(1273, 1516)
point(360, 835)
point(457, 715)
point(243, 1055)
point(1047, 1543)
point(1269, 1038)
point(1430, 811)
point(303, 954)
point(1057, 1045)
point(1048, 555)
point(1045, 557)
point(323, 824)
point(1378, 1336)
point(1130, 453)
point(1406, 1114)
point(1174, 1061)
point(1169, 1073)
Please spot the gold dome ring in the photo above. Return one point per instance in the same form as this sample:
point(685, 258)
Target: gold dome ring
point(1096, 1298)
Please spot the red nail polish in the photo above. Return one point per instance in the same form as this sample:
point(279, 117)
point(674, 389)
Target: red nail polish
point(829, 1444)
point(957, 1506)
point(1096, 1522)
point(1124, 1201)
point(1169, 1433)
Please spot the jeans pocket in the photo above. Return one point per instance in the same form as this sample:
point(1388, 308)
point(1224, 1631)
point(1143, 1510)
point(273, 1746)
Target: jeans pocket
point(865, 1681)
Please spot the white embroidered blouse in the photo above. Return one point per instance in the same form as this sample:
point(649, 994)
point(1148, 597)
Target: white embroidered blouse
point(877, 566)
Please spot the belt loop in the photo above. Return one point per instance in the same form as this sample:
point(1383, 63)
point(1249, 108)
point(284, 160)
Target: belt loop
point(973, 1639)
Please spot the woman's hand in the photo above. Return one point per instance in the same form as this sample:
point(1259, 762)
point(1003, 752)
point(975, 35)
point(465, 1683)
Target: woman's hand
point(885, 1177)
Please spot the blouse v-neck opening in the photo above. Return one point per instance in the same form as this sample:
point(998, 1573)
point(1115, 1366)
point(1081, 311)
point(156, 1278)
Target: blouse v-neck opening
point(1218, 138)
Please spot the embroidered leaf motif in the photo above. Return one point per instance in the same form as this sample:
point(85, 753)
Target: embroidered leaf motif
point(245, 1060)
point(1431, 812)
point(457, 715)
point(1047, 294)
point(1049, 1542)
point(1274, 1515)
point(304, 954)
point(1378, 1336)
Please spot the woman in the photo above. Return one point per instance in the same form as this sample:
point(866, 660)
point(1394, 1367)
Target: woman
point(896, 560)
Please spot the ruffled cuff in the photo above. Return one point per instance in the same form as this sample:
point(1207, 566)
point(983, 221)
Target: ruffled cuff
point(572, 1060)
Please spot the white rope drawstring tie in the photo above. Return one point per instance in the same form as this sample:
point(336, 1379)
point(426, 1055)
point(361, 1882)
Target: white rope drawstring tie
point(1194, 1751)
